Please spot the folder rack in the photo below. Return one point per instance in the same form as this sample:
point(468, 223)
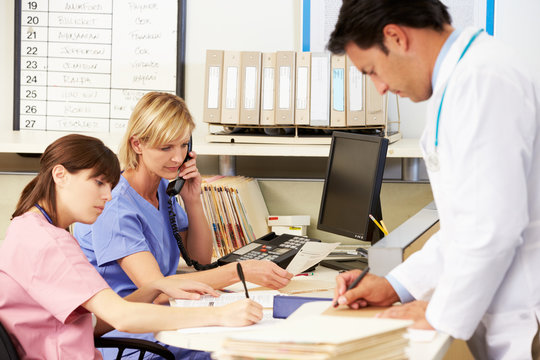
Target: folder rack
point(290, 97)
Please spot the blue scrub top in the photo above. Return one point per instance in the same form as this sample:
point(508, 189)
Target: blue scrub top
point(130, 224)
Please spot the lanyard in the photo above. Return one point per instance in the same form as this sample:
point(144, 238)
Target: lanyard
point(446, 86)
point(43, 212)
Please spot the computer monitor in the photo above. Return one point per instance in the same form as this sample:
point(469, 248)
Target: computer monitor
point(352, 186)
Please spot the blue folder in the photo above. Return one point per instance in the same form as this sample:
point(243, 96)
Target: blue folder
point(286, 305)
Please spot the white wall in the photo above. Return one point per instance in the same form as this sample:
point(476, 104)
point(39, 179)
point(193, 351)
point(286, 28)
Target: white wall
point(516, 23)
point(269, 25)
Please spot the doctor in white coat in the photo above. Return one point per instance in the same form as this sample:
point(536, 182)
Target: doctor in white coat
point(478, 277)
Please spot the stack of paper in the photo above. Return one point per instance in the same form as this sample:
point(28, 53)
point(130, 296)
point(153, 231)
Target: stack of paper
point(321, 337)
point(236, 211)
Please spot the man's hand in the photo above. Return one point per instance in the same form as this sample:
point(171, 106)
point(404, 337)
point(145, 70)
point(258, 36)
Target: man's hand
point(415, 311)
point(373, 290)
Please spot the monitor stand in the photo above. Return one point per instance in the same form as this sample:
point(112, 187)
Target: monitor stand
point(345, 264)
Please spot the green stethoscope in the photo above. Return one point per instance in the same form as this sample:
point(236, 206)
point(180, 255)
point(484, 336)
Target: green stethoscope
point(432, 162)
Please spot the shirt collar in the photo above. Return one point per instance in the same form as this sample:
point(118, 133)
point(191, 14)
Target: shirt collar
point(442, 54)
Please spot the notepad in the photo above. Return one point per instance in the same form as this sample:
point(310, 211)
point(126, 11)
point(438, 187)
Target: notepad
point(265, 298)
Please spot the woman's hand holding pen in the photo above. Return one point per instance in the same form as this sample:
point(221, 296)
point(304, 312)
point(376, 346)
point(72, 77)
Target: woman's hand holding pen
point(240, 313)
point(373, 290)
point(266, 273)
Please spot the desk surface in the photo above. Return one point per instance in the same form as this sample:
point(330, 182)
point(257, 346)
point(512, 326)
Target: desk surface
point(434, 349)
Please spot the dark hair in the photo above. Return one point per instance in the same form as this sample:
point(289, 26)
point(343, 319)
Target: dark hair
point(74, 152)
point(362, 21)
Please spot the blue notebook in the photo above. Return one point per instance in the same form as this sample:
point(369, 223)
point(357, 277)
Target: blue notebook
point(286, 305)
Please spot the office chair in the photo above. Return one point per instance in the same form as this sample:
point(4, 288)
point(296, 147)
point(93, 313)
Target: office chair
point(8, 352)
point(130, 343)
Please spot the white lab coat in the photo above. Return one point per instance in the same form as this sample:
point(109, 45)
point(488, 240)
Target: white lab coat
point(481, 270)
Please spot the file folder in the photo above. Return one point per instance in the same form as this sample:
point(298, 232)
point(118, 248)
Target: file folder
point(303, 80)
point(355, 81)
point(337, 95)
point(212, 85)
point(286, 305)
point(374, 105)
point(320, 89)
point(285, 81)
point(230, 103)
point(268, 91)
point(251, 87)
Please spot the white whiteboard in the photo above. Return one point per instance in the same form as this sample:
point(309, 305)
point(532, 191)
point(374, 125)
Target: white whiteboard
point(81, 65)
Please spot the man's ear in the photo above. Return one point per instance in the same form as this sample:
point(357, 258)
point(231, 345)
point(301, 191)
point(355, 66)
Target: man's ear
point(60, 175)
point(136, 145)
point(395, 38)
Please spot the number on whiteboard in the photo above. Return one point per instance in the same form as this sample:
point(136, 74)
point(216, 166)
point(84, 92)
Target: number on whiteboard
point(29, 123)
point(32, 20)
point(30, 109)
point(31, 94)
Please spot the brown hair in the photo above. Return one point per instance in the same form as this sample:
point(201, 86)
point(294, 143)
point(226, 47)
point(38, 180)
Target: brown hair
point(158, 118)
point(74, 152)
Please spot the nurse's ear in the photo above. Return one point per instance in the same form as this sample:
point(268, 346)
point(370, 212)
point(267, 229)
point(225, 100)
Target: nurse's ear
point(60, 175)
point(136, 145)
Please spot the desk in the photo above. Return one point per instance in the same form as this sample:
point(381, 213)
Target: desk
point(434, 349)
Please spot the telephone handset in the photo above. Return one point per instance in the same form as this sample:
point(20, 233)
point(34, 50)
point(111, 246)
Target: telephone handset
point(176, 185)
point(173, 189)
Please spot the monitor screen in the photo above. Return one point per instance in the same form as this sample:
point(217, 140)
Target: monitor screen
point(352, 186)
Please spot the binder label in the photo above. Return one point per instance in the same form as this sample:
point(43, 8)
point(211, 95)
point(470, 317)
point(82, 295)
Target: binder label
point(268, 88)
point(284, 87)
point(320, 98)
point(302, 90)
point(338, 89)
point(232, 84)
point(250, 86)
point(213, 87)
point(355, 89)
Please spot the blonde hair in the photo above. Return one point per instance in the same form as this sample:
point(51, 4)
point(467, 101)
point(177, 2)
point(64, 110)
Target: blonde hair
point(158, 118)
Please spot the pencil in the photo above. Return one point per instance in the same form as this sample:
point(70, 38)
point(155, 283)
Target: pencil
point(355, 282)
point(378, 225)
point(384, 226)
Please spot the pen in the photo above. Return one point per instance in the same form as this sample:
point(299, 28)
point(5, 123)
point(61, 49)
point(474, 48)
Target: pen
point(305, 274)
point(355, 282)
point(242, 278)
point(378, 225)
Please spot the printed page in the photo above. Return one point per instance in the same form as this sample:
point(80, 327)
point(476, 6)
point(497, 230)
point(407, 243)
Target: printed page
point(265, 298)
point(267, 319)
point(310, 254)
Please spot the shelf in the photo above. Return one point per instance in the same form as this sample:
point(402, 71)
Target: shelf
point(28, 141)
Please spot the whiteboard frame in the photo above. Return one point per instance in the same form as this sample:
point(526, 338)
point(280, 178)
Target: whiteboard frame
point(180, 57)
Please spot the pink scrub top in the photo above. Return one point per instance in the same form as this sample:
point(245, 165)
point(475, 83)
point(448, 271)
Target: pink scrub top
point(45, 277)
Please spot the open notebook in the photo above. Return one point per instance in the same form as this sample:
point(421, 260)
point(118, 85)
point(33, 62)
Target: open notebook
point(321, 337)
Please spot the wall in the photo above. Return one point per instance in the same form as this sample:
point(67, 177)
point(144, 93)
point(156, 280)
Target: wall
point(269, 25)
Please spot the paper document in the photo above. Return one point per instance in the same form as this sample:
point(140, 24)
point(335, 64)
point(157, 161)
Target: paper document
point(267, 319)
point(310, 254)
point(420, 335)
point(265, 298)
